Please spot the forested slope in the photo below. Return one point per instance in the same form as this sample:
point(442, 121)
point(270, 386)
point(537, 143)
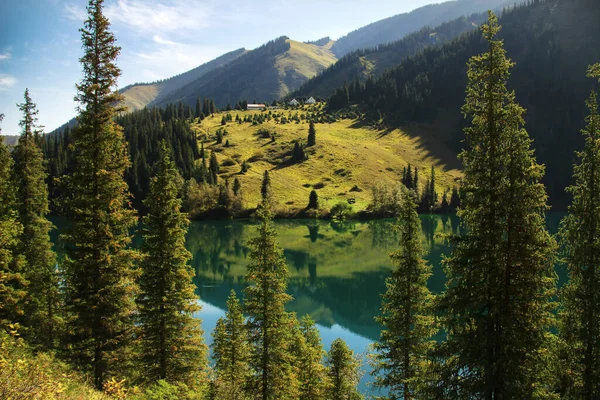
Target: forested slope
point(552, 43)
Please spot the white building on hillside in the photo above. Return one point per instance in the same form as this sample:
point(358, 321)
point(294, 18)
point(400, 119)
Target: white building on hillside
point(311, 101)
point(256, 107)
point(294, 103)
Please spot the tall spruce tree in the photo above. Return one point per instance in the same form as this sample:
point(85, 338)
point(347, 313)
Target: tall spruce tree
point(312, 374)
point(231, 352)
point(401, 354)
point(42, 300)
point(265, 189)
point(269, 325)
point(171, 342)
point(100, 275)
point(579, 234)
point(312, 134)
point(497, 306)
point(12, 280)
point(343, 371)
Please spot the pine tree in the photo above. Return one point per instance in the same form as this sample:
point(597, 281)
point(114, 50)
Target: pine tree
point(265, 189)
point(432, 193)
point(172, 344)
point(579, 329)
point(311, 371)
point(400, 361)
point(497, 308)
point(415, 184)
point(237, 187)
point(41, 313)
point(409, 178)
point(100, 278)
point(198, 108)
point(312, 134)
point(269, 325)
point(343, 371)
point(313, 200)
point(213, 168)
point(12, 280)
point(231, 352)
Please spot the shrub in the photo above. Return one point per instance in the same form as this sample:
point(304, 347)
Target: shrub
point(313, 200)
point(341, 211)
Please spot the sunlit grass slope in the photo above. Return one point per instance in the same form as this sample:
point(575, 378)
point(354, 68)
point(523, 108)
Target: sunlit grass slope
point(347, 161)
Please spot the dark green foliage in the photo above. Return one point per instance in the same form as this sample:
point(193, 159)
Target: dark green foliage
point(245, 167)
point(171, 338)
point(454, 199)
point(42, 301)
point(498, 307)
point(312, 134)
point(213, 168)
point(548, 76)
point(144, 130)
point(220, 134)
point(429, 196)
point(312, 374)
point(237, 187)
point(231, 352)
point(579, 233)
point(298, 154)
point(401, 358)
point(269, 325)
point(100, 278)
point(12, 280)
point(265, 189)
point(343, 371)
point(313, 200)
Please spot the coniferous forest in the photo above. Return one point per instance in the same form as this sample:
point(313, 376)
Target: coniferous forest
point(106, 318)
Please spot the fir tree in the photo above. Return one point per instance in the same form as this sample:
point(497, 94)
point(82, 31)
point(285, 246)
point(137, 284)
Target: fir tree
point(312, 134)
point(581, 300)
point(213, 168)
point(172, 344)
point(343, 371)
point(42, 300)
point(100, 278)
point(313, 200)
point(231, 352)
point(265, 189)
point(237, 187)
point(12, 280)
point(454, 199)
point(400, 361)
point(311, 371)
point(269, 325)
point(497, 306)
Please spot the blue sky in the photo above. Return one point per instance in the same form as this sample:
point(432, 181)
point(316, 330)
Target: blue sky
point(40, 43)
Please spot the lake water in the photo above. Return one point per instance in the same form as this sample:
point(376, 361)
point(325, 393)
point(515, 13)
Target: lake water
point(337, 270)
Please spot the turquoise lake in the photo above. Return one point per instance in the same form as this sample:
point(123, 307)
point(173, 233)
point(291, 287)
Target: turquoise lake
point(337, 270)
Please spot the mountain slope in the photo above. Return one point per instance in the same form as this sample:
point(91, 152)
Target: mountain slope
point(140, 95)
point(552, 43)
point(266, 73)
point(396, 27)
point(361, 64)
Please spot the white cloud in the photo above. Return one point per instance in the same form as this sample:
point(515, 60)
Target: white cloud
point(165, 17)
point(4, 56)
point(75, 13)
point(7, 81)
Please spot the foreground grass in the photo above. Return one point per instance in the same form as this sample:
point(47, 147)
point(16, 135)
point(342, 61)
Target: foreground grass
point(347, 161)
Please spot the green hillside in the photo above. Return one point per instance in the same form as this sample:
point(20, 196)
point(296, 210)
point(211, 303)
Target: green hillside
point(140, 95)
point(552, 43)
point(265, 74)
point(346, 155)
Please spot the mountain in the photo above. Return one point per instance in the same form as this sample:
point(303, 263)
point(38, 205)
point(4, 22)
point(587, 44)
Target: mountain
point(361, 64)
point(395, 28)
point(140, 95)
point(552, 42)
point(266, 73)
